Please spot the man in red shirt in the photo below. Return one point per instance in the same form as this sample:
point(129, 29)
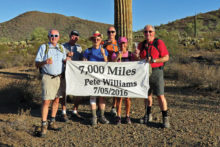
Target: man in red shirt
point(154, 51)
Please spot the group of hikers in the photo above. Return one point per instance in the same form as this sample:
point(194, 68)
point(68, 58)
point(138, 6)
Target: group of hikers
point(51, 59)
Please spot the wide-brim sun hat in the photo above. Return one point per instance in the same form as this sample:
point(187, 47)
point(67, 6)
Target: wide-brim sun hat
point(96, 34)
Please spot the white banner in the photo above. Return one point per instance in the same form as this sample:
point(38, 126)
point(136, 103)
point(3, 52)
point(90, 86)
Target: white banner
point(109, 79)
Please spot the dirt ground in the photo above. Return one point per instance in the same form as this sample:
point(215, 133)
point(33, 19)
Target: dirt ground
point(194, 117)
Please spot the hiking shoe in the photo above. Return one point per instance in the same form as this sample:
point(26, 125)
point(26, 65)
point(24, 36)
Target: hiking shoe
point(146, 119)
point(103, 120)
point(127, 120)
point(53, 126)
point(43, 131)
point(166, 122)
point(113, 112)
point(94, 121)
point(64, 118)
point(118, 120)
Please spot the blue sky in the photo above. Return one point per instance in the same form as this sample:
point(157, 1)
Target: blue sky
point(153, 12)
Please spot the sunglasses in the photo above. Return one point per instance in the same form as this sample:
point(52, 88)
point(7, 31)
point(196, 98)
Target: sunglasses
point(148, 31)
point(96, 39)
point(54, 35)
point(109, 32)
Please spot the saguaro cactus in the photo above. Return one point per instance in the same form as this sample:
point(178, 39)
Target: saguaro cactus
point(195, 26)
point(123, 20)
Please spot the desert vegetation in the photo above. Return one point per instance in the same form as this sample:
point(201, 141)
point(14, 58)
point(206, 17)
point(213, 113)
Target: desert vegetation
point(192, 87)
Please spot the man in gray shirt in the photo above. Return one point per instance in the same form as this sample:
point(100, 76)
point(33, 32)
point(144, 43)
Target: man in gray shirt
point(74, 51)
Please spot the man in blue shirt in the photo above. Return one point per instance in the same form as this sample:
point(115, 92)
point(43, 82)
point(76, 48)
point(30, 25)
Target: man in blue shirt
point(73, 51)
point(50, 60)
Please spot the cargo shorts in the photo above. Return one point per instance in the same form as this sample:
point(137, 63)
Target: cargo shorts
point(50, 87)
point(156, 82)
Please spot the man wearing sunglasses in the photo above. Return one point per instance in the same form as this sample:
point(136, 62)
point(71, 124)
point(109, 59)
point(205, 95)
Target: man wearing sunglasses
point(112, 47)
point(50, 59)
point(74, 52)
point(156, 53)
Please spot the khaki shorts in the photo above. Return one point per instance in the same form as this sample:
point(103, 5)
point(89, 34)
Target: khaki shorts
point(50, 87)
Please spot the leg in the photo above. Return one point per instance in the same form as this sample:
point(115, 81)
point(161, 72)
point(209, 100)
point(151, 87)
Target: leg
point(55, 107)
point(44, 109)
point(93, 108)
point(128, 107)
point(118, 105)
point(163, 106)
point(63, 104)
point(102, 118)
point(114, 105)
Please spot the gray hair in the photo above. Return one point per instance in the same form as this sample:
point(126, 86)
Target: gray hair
point(153, 28)
point(49, 32)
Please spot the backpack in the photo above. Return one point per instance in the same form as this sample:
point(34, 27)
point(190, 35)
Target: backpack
point(155, 44)
point(106, 43)
point(60, 48)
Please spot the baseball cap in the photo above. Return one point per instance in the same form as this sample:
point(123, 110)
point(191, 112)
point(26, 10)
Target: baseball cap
point(74, 32)
point(122, 40)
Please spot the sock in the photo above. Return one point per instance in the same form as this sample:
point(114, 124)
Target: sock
point(164, 113)
point(94, 113)
point(44, 123)
point(102, 113)
point(52, 119)
point(74, 111)
point(63, 111)
point(148, 110)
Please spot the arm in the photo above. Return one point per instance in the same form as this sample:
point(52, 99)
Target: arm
point(162, 59)
point(104, 56)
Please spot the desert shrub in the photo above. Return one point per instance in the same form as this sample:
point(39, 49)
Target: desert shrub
point(196, 75)
point(39, 34)
point(23, 94)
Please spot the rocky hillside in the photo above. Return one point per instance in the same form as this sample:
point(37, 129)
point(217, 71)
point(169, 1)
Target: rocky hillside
point(20, 27)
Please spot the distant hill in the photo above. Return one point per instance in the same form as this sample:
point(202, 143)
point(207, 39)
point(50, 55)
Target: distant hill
point(206, 23)
point(20, 27)
point(211, 21)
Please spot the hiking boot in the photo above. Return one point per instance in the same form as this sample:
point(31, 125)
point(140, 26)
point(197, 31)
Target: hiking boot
point(113, 112)
point(64, 118)
point(127, 120)
point(146, 119)
point(118, 120)
point(53, 126)
point(43, 131)
point(166, 122)
point(103, 120)
point(94, 121)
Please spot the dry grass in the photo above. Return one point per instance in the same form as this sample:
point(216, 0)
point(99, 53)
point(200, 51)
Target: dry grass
point(197, 75)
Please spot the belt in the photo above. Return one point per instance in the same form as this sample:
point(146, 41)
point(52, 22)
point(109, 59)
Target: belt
point(53, 76)
point(156, 68)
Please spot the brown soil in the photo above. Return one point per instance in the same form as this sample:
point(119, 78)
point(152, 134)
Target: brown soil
point(194, 116)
